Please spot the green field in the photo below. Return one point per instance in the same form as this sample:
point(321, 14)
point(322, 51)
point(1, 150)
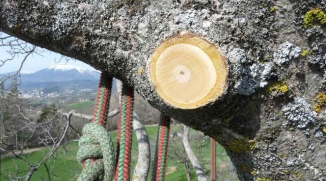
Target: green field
point(63, 166)
point(82, 107)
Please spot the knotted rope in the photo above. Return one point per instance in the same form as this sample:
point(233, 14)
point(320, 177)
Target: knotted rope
point(96, 151)
point(161, 150)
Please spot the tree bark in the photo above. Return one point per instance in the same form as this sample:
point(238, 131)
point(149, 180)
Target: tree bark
point(192, 157)
point(144, 155)
point(268, 118)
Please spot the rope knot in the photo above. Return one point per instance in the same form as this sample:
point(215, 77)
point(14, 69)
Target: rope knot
point(96, 154)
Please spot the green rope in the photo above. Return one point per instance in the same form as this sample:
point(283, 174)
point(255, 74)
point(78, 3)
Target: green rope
point(96, 151)
point(96, 144)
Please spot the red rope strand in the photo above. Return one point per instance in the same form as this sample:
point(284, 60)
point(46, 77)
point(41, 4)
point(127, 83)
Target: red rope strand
point(125, 134)
point(162, 149)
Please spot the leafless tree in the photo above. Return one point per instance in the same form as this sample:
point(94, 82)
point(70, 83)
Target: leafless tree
point(189, 159)
point(45, 136)
point(18, 132)
point(177, 154)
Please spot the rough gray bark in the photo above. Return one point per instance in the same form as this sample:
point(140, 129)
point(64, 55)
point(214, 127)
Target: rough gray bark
point(192, 157)
point(269, 127)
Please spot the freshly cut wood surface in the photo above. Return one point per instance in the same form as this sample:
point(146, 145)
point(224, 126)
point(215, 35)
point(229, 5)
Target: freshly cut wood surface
point(188, 72)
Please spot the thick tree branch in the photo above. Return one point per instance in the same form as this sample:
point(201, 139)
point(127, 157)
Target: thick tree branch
point(275, 55)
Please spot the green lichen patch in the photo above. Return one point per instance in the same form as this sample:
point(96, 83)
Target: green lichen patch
point(287, 172)
point(254, 173)
point(278, 87)
point(263, 179)
point(320, 101)
point(272, 9)
point(306, 52)
point(241, 146)
point(313, 17)
point(324, 129)
point(298, 174)
point(140, 71)
point(269, 135)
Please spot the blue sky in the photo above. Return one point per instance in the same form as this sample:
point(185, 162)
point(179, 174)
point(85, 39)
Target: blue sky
point(36, 62)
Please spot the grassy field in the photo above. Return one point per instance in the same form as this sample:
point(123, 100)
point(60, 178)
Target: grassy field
point(63, 166)
point(82, 107)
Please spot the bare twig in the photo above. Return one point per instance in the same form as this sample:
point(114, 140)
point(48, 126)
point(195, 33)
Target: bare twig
point(47, 171)
point(28, 53)
point(50, 153)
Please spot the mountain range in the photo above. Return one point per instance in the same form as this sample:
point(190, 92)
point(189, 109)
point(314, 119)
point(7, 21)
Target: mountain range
point(63, 76)
point(60, 73)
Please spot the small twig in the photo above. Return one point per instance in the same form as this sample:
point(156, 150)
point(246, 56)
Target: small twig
point(18, 155)
point(48, 171)
point(21, 66)
point(54, 149)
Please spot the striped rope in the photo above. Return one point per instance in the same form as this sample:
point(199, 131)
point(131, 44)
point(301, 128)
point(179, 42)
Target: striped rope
point(161, 150)
point(102, 100)
point(213, 157)
point(96, 151)
point(125, 134)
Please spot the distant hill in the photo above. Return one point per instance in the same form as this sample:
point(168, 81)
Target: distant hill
point(58, 76)
point(60, 73)
point(63, 76)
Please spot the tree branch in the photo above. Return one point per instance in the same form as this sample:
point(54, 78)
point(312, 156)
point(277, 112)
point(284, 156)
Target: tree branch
point(192, 157)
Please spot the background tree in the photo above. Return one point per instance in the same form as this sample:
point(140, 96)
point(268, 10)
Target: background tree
point(190, 159)
point(18, 131)
point(191, 155)
point(178, 154)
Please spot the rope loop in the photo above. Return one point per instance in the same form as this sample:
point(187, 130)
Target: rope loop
point(96, 154)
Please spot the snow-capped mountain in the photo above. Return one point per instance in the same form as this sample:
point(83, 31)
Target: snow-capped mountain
point(61, 73)
point(66, 75)
point(60, 67)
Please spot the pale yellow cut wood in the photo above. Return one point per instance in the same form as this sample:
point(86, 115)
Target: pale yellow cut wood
point(188, 72)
